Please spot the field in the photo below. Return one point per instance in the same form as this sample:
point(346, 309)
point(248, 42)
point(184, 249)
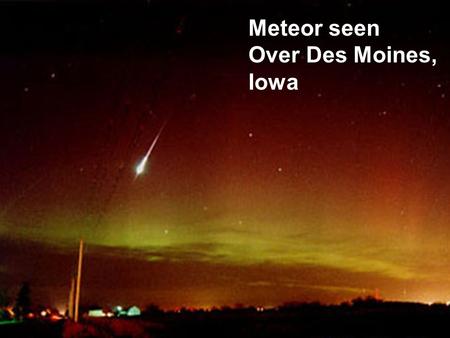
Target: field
point(386, 321)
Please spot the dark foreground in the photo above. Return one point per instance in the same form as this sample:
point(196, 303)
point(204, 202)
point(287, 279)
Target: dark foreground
point(310, 321)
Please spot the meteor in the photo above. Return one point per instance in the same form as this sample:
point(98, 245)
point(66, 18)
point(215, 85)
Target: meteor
point(140, 168)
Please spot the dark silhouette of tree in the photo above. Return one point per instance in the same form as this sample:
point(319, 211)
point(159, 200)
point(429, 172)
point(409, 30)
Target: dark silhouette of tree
point(369, 301)
point(23, 300)
point(152, 310)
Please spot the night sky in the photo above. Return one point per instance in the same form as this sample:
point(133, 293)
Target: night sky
point(259, 198)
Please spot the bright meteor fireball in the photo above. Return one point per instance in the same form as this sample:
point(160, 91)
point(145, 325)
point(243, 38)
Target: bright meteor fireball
point(140, 167)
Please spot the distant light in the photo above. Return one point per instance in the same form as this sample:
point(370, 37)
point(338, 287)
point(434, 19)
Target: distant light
point(96, 313)
point(56, 317)
point(133, 311)
point(43, 313)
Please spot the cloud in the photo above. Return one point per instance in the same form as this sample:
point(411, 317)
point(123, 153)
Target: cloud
point(190, 274)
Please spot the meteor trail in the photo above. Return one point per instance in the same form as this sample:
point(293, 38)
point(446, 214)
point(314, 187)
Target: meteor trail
point(141, 165)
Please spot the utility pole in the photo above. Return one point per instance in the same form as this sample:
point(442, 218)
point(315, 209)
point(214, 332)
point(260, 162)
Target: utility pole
point(71, 297)
point(78, 285)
